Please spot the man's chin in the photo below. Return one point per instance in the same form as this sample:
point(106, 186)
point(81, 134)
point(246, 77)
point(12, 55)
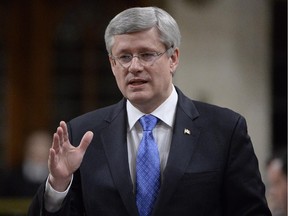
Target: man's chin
point(140, 98)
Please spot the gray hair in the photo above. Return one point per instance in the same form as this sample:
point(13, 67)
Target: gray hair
point(140, 19)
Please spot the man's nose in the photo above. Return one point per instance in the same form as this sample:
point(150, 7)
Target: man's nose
point(136, 63)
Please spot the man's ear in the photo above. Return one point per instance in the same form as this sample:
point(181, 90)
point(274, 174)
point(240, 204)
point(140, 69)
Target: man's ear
point(174, 60)
point(112, 63)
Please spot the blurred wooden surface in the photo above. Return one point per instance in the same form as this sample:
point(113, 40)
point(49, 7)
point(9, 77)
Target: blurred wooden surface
point(14, 207)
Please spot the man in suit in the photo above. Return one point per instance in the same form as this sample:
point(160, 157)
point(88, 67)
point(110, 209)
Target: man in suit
point(204, 165)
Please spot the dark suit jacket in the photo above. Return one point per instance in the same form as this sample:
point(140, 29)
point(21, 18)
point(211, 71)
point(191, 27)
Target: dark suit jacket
point(212, 171)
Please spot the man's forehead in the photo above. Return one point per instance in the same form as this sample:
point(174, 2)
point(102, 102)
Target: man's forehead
point(137, 41)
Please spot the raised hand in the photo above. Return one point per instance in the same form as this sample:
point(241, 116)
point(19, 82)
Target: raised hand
point(64, 158)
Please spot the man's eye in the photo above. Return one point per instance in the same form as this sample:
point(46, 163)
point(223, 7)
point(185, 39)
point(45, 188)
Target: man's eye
point(125, 58)
point(147, 56)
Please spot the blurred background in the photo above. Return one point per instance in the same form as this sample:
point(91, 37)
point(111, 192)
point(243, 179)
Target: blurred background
point(54, 66)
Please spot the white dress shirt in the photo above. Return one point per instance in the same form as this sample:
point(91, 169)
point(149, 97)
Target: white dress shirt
point(162, 134)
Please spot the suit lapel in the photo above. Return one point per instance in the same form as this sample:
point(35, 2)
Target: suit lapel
point(115, 146)
point(184, 141)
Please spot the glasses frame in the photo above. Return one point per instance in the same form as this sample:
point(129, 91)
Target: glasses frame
point(157, 56)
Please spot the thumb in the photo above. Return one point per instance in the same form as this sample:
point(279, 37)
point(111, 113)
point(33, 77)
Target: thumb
point(85, 141)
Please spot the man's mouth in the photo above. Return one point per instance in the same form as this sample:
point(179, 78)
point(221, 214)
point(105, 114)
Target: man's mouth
point(136, 82)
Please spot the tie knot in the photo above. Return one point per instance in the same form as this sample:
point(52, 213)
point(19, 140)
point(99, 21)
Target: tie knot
point(148, 122)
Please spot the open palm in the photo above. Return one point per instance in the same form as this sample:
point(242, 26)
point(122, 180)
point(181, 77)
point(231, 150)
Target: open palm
point(64, 158)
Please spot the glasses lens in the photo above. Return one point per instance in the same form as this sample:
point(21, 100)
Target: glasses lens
point(124, 59)
point(147, 57)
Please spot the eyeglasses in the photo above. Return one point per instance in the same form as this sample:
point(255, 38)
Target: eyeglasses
point(145, 58)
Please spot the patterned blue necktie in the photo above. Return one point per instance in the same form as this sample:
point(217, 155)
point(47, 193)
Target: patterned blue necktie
point(147, 168)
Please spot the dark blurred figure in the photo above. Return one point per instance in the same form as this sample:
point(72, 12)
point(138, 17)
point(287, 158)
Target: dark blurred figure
point(25, 180)
point(277, 183)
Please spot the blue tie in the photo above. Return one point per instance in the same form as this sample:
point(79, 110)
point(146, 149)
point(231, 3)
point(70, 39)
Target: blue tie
point(147, 168)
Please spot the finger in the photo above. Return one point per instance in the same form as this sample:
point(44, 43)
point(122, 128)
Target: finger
point(51, 160)
point(85, 141)
point(55, 143)
point(63, 125)
point(60, 135)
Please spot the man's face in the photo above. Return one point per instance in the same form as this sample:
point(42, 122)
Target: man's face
point(145, 86)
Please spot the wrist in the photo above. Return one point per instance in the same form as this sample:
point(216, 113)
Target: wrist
point(59, 185)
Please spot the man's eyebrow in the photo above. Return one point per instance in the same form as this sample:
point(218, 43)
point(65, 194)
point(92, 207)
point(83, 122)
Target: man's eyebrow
point(140, 50)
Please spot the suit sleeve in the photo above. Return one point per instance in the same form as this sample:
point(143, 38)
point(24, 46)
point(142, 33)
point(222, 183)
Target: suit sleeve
point(72, 204)
point(243, 186)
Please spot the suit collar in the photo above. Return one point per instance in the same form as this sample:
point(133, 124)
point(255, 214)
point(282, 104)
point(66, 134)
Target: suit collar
point(186, 105)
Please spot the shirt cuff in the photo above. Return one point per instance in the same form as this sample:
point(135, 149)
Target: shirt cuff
point(53, 199)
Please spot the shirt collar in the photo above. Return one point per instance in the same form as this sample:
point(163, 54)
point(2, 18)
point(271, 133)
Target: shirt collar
point(165, 112)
